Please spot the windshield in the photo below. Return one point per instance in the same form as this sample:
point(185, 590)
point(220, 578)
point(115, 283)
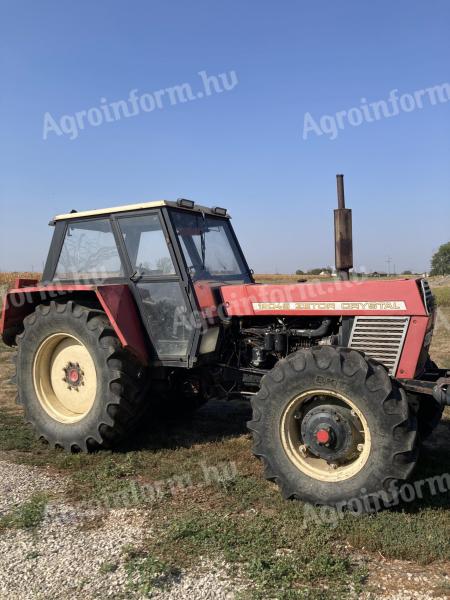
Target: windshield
point(209, 247)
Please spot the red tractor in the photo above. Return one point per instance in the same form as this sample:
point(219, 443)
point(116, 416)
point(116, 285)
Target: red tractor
point(155, 302)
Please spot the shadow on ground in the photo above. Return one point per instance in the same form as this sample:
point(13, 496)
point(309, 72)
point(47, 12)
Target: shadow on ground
point(214, 422)
point(219, 420)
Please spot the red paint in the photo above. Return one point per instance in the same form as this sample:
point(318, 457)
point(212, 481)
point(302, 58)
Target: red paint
point(74, 375)
point(120, 307)
point(323, 437)
point(238, 299)
point(116, 300)
point(412, 348)
point(209, 299)
point(205, 297)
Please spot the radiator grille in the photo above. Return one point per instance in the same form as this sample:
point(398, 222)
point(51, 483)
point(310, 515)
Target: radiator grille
point(381, 338)
point(428, 297)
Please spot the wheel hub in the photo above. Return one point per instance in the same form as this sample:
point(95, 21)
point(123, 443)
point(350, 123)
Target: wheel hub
point(73, 375)
point(330, 432)
point(63, 365)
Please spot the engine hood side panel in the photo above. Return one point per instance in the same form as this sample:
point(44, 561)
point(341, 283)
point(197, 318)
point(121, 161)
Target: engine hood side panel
point(388, 298)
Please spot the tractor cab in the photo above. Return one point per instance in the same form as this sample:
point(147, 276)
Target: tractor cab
point(167, 253)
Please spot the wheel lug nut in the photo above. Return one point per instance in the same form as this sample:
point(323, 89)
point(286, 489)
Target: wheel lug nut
point(303, 450)
point(360, 447)
point(333, 465)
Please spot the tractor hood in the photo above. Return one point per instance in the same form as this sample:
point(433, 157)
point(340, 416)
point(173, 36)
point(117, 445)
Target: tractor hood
point(394, 297)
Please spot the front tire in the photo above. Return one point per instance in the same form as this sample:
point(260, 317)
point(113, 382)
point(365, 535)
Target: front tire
point(331, 426)
point(79, 388)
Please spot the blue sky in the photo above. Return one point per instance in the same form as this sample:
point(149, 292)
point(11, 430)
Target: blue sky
point(243, 148)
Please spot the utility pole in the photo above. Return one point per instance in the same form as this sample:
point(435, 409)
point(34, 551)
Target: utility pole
point(389, 260)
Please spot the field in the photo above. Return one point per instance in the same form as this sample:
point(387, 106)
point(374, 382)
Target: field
point(206, 514)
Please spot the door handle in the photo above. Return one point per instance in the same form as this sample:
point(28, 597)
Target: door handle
point(137, 275)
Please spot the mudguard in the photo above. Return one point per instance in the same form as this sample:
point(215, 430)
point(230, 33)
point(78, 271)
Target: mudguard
point(115, 299)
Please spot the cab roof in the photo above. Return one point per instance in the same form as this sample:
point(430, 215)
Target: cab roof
point(134, 207)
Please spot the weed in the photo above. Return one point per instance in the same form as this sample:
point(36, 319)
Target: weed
point(108, 567)
point(145, 572)
point(26, 516)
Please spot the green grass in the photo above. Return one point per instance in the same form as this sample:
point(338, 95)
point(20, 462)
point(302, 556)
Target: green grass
point(280, 559)
point(26, 516)
point(145, 573)
point(108, 567)
point(14, 434)
point(442, 295)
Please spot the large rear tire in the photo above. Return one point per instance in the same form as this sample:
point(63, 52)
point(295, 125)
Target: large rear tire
point(331, 426)
point(80, 389)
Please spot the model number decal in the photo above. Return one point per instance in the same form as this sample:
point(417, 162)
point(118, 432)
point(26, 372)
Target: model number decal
point(381, 305)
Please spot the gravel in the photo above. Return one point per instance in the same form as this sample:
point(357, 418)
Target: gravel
point(67, 555)
point(64, 556)
point(77, 553)
point(210, 581)
point(18, 483)
point(404, 580)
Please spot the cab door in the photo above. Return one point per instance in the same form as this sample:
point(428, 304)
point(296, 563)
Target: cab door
point(159, 289)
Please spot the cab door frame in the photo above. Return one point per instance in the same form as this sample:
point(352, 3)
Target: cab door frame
point(188, 360)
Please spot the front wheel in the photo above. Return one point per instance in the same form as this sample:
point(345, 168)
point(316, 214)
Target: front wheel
point(331, 426)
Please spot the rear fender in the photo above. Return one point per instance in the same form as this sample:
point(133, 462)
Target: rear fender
point(116, 300)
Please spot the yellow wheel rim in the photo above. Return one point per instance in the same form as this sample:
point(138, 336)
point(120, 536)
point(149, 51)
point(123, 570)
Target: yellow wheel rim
point(308, 463)
point(64, 378)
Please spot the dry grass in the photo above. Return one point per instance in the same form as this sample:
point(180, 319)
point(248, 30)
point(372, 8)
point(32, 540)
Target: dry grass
point(7, 279)
point(442, 295)
point(440, 348)
point(286, 278)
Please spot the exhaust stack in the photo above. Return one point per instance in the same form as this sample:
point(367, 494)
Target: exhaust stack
point(343, 234)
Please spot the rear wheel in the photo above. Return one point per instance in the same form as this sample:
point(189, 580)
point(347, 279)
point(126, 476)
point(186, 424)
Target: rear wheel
point(331, 426)
point(79, 388)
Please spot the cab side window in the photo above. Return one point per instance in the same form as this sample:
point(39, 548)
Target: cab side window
point(89, 252)
point(146, 245)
